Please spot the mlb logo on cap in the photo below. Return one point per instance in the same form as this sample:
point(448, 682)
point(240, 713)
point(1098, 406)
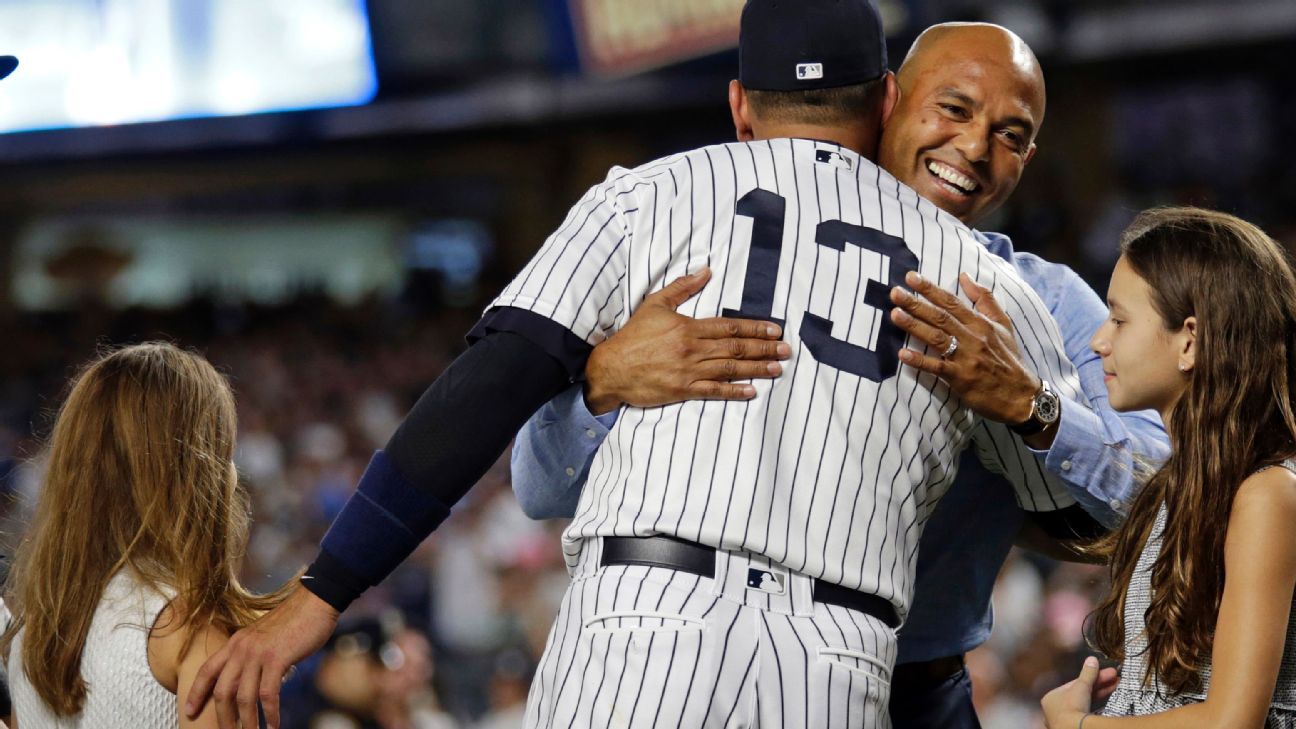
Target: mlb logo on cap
point(807, 71)
point(777, 40)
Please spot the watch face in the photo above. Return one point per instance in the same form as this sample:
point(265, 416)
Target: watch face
point(1048, 407)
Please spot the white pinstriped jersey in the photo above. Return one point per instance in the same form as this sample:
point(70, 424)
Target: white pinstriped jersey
point(834, 467)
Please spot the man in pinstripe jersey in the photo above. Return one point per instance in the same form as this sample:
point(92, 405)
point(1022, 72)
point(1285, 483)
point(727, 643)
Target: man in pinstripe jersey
point(965, 104)
point(622, 609)
point(734, 563)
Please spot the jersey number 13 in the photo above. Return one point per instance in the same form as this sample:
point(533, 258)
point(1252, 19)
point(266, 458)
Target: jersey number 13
point(766, 210)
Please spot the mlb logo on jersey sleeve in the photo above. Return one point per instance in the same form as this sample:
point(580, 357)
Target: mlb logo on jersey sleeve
point(809, 71)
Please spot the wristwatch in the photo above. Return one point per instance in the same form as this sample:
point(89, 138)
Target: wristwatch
point(1046, 408)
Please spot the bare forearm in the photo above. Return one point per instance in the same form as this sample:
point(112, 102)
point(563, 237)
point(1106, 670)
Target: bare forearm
point(601, 393)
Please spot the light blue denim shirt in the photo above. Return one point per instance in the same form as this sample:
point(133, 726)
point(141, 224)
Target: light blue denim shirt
point(1095, 452)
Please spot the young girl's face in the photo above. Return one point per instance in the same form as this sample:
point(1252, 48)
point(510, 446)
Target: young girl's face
point(1141, 357)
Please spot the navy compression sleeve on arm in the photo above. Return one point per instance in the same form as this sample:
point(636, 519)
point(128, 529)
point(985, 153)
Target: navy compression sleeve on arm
point(446, 443)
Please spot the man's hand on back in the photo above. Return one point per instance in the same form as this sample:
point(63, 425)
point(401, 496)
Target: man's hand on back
point(986, 371)
point(661, 356)
point(251, 667)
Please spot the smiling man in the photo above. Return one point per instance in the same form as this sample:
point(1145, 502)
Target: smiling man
point(972, 102)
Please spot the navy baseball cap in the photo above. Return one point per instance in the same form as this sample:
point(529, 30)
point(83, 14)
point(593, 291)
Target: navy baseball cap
point(790, 45)
point(7, 65)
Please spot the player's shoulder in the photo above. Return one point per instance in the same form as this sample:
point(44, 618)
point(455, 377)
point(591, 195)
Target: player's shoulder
point(1053, 275)
point(1067, 295)
point(625, 183)
point(1029, 265)
point(677, 172)
point(677, 165)
point(1028, 262)
point(1011, 280)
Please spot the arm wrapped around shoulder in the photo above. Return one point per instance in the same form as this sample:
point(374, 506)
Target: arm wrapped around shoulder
point(453, 434)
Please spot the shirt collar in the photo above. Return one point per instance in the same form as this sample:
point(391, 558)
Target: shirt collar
point(997, 243)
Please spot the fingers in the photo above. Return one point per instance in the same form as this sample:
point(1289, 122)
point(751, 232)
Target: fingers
point(725, 328)
point(710, 390)
point(204, 681)
point(937, 339)
point(934, 365)
point(983, 300)
point(920, 308)
point(943, 300)
point(226, 693)
point(716, 376)
point(973, 289)
point(674, 294)
point(1089, 673)
point(744, 349)
point(1108, 679)
point(247, 696)
point(722, 370)
point(271, 681)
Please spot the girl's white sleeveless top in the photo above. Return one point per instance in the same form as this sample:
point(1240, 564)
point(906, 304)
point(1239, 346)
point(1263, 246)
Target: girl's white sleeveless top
point(121, 690)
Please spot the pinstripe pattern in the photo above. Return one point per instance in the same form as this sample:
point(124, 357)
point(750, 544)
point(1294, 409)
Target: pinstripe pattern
point(651, 647)
point(825, 471)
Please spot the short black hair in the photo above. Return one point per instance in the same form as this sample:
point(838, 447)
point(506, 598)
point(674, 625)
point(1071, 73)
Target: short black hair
point(836, 105)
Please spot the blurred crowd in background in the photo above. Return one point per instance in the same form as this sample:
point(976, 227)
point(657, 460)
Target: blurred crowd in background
point(451, 639)
point(478, 139)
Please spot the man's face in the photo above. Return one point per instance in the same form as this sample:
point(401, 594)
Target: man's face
point(963, 131)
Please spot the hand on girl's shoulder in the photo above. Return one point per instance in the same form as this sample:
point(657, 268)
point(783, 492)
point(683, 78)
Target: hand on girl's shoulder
point(175, 664)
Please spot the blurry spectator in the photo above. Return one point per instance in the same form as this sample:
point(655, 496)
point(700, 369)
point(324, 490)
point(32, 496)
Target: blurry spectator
point(489, 569)
point(373, 674)
point(509, 684)
point(1038, 641)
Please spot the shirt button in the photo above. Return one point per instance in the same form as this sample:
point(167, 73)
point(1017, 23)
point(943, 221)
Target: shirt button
point(571, 471)
point(1066, 465)
point(589, 433)
point(1115, 504)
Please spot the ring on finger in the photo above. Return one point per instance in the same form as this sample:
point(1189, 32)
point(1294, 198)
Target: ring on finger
point(951, 349)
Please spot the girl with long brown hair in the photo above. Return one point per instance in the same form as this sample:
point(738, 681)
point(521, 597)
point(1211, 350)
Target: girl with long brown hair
point(1203, 329)
point(126, 580)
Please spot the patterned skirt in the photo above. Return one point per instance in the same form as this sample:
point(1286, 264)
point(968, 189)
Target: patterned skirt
point(1132, 702)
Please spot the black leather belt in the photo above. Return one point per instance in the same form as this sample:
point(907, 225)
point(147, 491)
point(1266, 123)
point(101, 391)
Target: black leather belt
point(925, 674)
point(696, 559)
